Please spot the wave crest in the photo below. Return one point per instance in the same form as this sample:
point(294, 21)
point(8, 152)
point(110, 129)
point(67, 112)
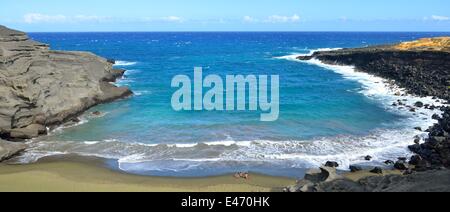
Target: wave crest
point(124, 63)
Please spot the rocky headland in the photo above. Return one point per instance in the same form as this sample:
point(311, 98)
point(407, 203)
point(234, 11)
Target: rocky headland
point(41, 88)
point(421, 67)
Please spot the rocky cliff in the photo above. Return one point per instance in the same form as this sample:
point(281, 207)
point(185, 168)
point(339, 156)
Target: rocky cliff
point(424, 73)
point(40, 88)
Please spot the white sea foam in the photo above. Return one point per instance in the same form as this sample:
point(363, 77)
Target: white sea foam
point(91, 142)
point(124, 81)
point(82, 120)
point(131, 72)
point(381, 144)
point(141, 92)
point(294, 56)
point(125, 63)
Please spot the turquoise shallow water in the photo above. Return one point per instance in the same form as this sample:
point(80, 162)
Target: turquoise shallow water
point(323, 115)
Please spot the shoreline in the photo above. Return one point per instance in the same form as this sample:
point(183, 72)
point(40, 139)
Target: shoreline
point(418, 70)
point(75, 173)
point(81, 173)
point(386, 92)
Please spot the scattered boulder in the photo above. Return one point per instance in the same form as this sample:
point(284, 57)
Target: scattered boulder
point(415, 148)
point(408, 172)
point(96, 113)
point(31, 131)
point(415, 160)
point(324, 174)
point(418, 129)
point(419, 104)
point(422, 165)
point(368, 158)
point(355, 168)
point(332, 164)
point(376, 170)
point(417, 140)
point(75, 120)
point(313, 175)
point(435, 117)
point(401, 165)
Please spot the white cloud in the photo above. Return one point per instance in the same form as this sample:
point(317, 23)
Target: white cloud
point(273, 19)
point(343, 18)
point(249, 19)
point(439, 18)
point(172, 19)
point(89, 18)
point(40, 18)
point(283, 19)
point(33, 18)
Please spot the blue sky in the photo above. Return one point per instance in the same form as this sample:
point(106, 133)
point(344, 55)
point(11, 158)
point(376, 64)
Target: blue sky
point(226, 15)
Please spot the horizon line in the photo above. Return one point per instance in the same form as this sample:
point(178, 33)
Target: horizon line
point(237, 31)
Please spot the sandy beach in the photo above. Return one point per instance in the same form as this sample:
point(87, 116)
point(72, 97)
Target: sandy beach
point(72, 173)
point(82, 174)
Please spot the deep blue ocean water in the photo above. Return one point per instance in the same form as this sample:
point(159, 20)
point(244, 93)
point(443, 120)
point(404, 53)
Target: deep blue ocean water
point(323, 115)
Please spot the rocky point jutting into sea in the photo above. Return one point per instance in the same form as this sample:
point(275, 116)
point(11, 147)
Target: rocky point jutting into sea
point(41, 88)
point(423, 68)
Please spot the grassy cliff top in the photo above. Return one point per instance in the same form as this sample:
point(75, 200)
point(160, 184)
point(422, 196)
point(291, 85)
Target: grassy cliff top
point(426, 44)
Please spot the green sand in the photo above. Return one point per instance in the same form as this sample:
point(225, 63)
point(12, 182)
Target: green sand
point(90, 175)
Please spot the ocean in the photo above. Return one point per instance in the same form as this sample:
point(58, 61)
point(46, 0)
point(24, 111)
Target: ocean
point(326, 112)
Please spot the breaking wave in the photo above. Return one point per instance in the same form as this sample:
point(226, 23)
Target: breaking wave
point(124, 63)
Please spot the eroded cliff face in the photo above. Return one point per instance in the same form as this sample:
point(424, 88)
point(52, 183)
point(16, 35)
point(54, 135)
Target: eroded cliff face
point(40, 87)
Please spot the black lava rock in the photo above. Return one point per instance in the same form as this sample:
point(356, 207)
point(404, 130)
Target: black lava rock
point(418, 104)
point(415, 160)
point(332, 164)
point(355, 168)
point(377, 170)
point(401, 165)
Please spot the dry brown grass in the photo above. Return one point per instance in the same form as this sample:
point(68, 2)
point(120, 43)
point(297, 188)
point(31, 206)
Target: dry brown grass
point(426, 44)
